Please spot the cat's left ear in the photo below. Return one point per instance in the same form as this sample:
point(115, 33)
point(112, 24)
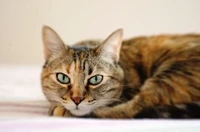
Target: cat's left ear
point(110, 48)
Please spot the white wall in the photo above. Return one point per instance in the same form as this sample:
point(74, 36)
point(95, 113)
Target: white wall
point(74, 20)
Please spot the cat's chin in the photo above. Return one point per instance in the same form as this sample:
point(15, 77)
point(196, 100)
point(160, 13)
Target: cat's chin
point(81, 110)
point(78, 112)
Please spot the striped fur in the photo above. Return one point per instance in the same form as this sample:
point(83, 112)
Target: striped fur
point(140, 75)
point(181, 111)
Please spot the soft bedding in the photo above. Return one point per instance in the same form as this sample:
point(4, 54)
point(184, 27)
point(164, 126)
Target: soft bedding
point(23, 107)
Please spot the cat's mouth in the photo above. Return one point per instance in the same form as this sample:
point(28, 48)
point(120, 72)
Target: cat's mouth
point(77, 108)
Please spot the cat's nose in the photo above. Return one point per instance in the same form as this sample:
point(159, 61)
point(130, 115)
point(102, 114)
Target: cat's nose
point(77, 100)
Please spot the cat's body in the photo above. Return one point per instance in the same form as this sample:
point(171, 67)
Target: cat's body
point(136, 76)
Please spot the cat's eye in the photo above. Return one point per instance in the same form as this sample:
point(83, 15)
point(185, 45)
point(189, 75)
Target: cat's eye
point(95, 80)
point(62, 78)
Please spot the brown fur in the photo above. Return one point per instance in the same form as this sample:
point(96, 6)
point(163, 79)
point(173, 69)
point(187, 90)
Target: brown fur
point(157, 70)
point(165, 70)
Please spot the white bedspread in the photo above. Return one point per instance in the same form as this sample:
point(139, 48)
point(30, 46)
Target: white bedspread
point(23, 107)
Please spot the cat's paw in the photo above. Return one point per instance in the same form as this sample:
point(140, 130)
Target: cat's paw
point(51, 109)
point(56, 110)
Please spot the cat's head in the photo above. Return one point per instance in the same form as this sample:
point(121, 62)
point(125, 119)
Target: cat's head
point(82, 77)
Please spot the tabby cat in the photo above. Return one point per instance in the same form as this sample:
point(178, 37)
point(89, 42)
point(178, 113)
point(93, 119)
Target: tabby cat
point(143, 77)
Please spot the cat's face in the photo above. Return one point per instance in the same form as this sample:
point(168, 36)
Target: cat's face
point(82, 78)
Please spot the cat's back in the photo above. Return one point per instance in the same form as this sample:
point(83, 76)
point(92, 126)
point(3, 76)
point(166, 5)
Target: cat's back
point(149, 55)
point(156, 44)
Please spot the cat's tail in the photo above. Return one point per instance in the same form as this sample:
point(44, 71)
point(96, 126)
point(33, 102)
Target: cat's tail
point(179, 111)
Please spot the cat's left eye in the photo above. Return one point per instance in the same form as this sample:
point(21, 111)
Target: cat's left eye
point(95, 80)
point(62, 78)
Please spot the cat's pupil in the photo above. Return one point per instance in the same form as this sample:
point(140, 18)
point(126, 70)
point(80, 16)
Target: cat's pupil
point(96, 79)
point(63, 77)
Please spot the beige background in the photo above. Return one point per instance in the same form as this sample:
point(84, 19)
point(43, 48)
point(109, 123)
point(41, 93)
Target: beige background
point(74, 20)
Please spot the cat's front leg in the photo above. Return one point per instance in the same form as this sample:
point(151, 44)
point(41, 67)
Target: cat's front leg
point(122, 111)
point(58, 110)
point(107, 112)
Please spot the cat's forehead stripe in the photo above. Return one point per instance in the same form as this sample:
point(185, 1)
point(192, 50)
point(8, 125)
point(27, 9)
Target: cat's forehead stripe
point(68, 68)
point(71, 67)
point(78, 63)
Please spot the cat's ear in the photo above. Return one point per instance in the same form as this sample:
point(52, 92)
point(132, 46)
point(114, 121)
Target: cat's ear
point(53, 44)
point(110, 48)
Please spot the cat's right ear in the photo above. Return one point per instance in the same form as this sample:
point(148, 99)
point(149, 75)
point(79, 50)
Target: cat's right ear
point(53, 44)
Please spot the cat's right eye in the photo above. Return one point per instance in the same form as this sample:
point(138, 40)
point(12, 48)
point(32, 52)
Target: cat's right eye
point(62, 78)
